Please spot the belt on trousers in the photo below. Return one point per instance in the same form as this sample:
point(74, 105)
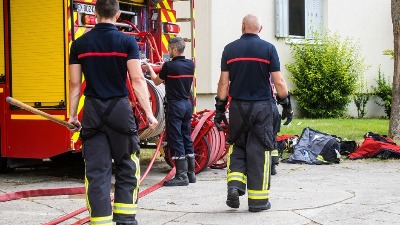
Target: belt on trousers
point(104, 119)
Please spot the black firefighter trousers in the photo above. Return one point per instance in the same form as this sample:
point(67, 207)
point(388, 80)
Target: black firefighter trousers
point(251, 135)
point(104, 143)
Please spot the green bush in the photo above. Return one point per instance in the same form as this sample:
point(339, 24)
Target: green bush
point(361, 97)
point(325, 72)
point(384, 91)
point(361, 100)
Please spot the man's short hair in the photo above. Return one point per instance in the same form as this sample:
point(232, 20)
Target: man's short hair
point(177, 43)
point(107, 8)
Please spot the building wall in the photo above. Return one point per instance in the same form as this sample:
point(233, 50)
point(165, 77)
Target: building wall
point(367, 22)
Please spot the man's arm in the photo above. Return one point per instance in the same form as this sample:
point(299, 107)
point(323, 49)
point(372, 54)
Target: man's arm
point(139, 85)
point(75, 81)
point(156, 79)
point(223, 85)
point(221, 100)
point(280, 84)
point(283, 97)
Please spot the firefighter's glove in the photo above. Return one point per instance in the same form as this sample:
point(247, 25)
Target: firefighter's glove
point(220, 108)
point(287, 111)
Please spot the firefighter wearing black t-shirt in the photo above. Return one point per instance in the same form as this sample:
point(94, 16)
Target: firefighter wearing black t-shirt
point(178, 77)
point(247, 67)
point(104, 55)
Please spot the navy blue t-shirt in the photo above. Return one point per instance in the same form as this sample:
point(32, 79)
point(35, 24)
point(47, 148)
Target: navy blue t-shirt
point(103, 53)
point(249, 61)
point(178, 76)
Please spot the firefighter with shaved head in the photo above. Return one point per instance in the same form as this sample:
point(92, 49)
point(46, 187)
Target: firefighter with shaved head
point(249, 68)
point(108, 131)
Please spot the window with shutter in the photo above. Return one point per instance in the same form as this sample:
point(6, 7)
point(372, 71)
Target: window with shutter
point(298, 18)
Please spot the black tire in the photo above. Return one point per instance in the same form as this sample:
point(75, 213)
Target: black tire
point(3, 165)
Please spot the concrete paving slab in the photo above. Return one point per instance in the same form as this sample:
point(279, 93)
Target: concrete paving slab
point(352, 192)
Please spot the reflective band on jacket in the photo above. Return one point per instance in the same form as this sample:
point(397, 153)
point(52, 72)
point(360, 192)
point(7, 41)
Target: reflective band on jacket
point(274, 153)
point(248, 59)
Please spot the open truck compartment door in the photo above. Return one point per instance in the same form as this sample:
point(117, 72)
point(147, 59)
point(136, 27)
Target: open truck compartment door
point(35, 67)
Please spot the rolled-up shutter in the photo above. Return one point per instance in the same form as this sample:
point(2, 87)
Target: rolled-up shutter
point(282, 18)
point(37, 51)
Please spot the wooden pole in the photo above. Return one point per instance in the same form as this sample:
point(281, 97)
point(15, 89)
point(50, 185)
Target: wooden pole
point(38, 112)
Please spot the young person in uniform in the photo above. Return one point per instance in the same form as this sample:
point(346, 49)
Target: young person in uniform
point(108, 131)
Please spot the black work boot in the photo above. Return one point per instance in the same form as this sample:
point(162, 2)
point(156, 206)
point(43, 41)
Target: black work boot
point(260, 207)
point(181, 177)
point(191, 164)
point(232, 199)
point(273, 169)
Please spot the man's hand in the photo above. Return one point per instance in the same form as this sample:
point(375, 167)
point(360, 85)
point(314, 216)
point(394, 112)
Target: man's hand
point(74, 121)
point(218, 118)
point(220, 112)
point(152, 122)
point(287, 111)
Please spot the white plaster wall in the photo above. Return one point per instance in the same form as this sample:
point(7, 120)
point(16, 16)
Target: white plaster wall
point(218, 22)
point(369, 23)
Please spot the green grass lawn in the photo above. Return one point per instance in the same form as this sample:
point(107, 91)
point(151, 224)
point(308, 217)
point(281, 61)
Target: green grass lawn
point(351, 129)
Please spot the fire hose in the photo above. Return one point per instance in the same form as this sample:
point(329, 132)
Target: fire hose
point(81, 190)
point(205, 157)
point(209, 143)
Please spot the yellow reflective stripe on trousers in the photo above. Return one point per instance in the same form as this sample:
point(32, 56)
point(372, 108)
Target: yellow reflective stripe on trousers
point(136, 160)
point(274, 153)
point(123, 208)
point(87, 197)
point(104, 220)
point(267, 172)
point(258, 194)
point(320, 158)
point(241, 177)
point(228, 163)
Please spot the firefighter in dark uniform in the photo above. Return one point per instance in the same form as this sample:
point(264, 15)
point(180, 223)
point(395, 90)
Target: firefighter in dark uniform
point(108, 131)
point(178, 77)
point(247, 67)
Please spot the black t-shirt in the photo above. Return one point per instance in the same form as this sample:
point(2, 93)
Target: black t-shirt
point(103, 53)
point(249, 61)
point(178, 76)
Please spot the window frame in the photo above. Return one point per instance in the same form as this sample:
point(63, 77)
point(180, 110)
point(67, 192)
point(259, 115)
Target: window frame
point(313, 18)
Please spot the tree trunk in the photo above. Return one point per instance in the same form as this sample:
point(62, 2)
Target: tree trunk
point(394, 125)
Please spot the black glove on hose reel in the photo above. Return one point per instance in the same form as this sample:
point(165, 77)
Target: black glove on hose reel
point(287, 112)
point(220, 107)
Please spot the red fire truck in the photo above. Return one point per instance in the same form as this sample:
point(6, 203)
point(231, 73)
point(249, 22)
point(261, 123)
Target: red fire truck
point(36, 36)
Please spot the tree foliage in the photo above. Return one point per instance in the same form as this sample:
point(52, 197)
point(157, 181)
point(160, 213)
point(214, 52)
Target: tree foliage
point(325, 72)
point(383, 90)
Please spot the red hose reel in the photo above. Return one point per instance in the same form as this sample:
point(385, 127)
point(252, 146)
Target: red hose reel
point(210, 147)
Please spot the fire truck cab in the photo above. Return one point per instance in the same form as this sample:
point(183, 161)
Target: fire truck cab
point(36, 36)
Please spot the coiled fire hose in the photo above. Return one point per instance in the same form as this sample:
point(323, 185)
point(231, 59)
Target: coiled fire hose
point(209, 143)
